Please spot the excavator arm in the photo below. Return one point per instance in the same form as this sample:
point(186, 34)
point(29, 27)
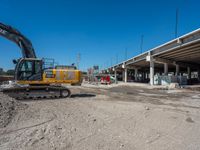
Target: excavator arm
point(14, 35)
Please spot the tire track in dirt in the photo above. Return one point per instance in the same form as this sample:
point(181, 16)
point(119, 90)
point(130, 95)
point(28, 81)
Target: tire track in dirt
point(28, 127)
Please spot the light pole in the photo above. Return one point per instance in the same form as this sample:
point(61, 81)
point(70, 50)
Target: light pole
point(176, 23)
point(141, 44)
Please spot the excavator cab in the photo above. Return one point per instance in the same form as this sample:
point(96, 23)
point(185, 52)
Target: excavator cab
point(29, 69)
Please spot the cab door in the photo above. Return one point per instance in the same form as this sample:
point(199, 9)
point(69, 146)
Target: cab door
point(29, 70)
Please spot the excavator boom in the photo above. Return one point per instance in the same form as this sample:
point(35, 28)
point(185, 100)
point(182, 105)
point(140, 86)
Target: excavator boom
point(14, 35)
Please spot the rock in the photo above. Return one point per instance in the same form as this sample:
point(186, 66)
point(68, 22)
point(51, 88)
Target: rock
point(173, 86)
point(189, 120)
point(122, 145)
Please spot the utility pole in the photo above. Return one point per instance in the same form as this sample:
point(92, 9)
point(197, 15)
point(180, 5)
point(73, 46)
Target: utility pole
point(176, 23)
point(141, 44)
point(100, 67)
point(126, 54)
point(78, 60)
point(117, 59)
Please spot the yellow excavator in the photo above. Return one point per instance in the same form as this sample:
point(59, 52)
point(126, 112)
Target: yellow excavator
point(32, 79)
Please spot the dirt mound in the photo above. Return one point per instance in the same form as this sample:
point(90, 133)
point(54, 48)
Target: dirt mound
point(8, 109)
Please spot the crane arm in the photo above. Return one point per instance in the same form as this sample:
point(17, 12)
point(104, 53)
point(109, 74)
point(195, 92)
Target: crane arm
point(14, 35)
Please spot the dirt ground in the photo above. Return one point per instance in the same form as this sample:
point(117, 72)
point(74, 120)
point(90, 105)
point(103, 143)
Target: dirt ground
point(8, 109)
point(108, 118)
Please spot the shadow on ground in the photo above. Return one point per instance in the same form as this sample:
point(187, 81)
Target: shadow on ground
point(59, 98)
point(82, 95)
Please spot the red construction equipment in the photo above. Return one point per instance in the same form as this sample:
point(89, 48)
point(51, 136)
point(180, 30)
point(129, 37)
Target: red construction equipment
point(105, 80)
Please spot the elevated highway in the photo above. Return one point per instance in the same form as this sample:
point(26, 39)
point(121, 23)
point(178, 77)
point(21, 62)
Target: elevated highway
point(179, 56)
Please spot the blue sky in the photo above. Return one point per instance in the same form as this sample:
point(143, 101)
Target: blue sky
point(97, 29)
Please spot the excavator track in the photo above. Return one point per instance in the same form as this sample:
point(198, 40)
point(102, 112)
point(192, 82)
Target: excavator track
point(37, 92)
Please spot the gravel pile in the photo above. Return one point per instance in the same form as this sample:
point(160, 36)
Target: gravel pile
point(8, 109)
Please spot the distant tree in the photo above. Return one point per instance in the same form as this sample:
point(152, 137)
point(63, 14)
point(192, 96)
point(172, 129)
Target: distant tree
point(10, 72)
point(1, 71)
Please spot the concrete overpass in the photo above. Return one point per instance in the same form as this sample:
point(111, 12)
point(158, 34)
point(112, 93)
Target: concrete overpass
point(179, 56)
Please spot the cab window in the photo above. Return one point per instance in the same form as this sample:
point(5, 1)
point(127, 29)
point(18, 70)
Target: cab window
point(30, 70)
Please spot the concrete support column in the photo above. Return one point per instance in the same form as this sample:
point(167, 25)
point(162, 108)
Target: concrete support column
point(125, 74)
point(198, 74)
point(151, 72)
point(143, 76)
point(177, 70)
point(189, 72)
point(115, 76)
point(136, 74)
point(165, 68)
